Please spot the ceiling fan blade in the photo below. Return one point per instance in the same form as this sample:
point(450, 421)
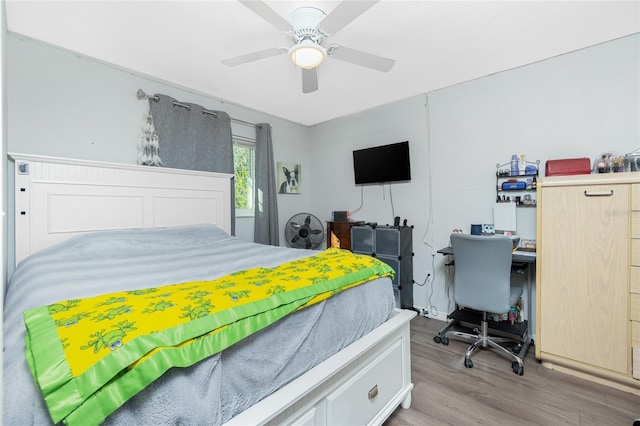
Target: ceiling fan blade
point(363, 59)
point(344, 13)
point(265, 12)
point(309, 80)
point(254, 56)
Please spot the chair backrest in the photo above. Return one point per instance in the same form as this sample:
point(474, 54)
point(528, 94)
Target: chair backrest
point(482, 272)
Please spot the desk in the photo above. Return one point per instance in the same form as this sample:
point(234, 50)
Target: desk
point(527, 259)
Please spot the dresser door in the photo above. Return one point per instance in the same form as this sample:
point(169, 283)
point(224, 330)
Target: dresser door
point(585, 267)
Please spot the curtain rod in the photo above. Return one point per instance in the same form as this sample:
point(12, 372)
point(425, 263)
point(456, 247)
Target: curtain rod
point(140, 94)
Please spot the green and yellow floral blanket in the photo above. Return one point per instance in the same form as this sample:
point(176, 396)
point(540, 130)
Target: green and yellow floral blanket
point(89, 356)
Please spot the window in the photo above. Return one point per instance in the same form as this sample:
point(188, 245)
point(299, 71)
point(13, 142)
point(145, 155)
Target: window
point(244, 170)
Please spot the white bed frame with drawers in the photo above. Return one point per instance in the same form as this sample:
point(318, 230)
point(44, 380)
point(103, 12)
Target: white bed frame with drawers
point(56, 198)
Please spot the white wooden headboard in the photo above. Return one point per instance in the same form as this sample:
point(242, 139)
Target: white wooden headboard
point(57, 198)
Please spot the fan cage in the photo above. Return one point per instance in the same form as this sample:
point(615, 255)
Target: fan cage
point(304, 230)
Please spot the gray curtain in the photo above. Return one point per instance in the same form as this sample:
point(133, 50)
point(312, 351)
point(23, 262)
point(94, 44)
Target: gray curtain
point(194, 138)
point(265, 229)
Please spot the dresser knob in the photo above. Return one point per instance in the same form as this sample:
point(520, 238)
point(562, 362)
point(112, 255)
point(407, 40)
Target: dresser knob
point(373, 392)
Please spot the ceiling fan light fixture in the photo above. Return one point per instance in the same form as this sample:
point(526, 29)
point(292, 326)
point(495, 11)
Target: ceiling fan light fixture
point(307, 54)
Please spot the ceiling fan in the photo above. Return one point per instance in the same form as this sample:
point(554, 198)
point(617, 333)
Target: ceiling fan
point(309, 27)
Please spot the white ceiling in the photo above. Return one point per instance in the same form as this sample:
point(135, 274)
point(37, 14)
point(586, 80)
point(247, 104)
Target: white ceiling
point(435, 44)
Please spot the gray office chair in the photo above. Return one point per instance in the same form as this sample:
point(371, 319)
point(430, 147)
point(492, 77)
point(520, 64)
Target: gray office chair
point(483, 283)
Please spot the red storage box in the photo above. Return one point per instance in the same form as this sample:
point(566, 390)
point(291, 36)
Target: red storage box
point(568, 166)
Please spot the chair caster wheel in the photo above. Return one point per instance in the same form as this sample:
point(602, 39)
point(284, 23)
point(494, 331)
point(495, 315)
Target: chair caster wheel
point(437, 339)
point(468, 363)
point(445, 341)
point(517, 368)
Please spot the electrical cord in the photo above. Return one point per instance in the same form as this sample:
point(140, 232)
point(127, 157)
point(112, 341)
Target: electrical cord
point(361, 200)
point(431, 309)
point(393, 210)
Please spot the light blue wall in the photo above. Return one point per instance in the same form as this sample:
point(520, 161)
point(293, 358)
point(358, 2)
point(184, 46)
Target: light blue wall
point(333, 143)
point(3, 171)
point(579, 104)
point(67, 105)
point(576, 105)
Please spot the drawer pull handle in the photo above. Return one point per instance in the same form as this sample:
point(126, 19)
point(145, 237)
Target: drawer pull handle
point(373, 392)
point(599, 194)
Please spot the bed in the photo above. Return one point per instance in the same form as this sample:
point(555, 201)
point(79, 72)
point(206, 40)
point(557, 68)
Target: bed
point(82, 226)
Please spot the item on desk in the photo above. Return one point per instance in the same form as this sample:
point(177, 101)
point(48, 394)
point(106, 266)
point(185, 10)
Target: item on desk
point(528, 243)
point(632, 161)
point(522, 163)
point(514, 165)
point(513, 185)
point(513, 315)
point(616, 164)
point(340, 216)
point(476, 229)
point(608, 162)
point(488, 229)
point(568, 166)
point(504, 217)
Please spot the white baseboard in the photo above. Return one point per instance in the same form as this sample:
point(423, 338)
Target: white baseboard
point(441, 316)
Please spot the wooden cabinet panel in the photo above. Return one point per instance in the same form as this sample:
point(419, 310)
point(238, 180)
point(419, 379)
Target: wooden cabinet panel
point(635, 252)
point(635, 224)
point(635, 307)
point(634, 287)
point(584, 267)
point(339, 234)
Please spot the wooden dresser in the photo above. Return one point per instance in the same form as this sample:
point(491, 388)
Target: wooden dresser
point(588, 277)
point(635, 278)
point(339, 234)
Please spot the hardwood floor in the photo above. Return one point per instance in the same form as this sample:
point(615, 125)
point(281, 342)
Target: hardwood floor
point(447, 393)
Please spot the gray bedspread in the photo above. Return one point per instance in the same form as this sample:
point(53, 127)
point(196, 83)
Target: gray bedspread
point(215, 389)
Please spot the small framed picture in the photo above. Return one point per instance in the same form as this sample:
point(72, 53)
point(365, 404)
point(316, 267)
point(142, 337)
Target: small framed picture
point(288, 178)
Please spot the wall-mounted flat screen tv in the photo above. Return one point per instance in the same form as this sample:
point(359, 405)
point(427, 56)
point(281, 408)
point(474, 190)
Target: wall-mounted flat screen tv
point(380, 164)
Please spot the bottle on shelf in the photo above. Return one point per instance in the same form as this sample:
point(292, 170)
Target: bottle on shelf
point(515, 171)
